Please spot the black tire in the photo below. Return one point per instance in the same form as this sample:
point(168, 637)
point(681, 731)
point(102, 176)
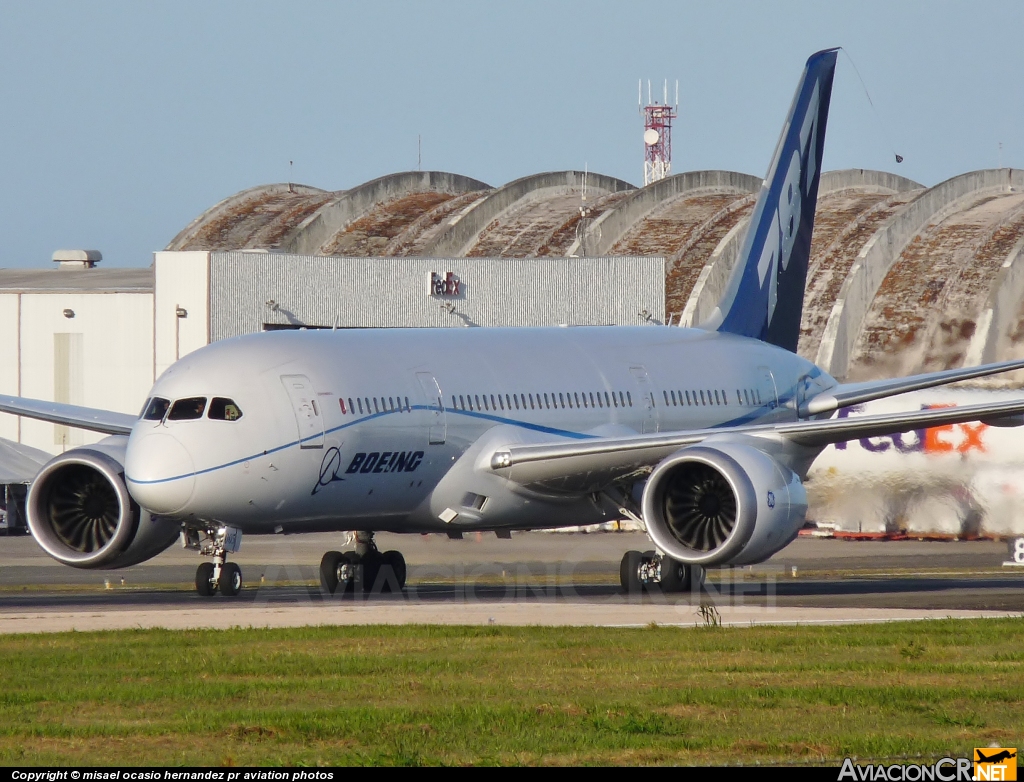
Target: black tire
point(370, 563)
point(230, 579)
point(629, 573)
point(329, 572)
point(675, 576)
point(392, 571)
point(204, 580)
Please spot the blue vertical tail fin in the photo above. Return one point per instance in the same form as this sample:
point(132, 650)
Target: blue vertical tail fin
point(765, 295)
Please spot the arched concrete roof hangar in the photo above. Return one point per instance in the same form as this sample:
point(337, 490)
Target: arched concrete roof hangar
point(902, 277)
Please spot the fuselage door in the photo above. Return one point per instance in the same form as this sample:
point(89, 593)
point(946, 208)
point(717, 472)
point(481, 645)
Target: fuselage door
point(645, 399)
point(308, 415)
point(766, 387)
point(432, 399)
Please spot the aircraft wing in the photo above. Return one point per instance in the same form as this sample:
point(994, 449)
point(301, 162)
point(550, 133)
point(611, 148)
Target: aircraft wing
point(602, 460)
point(20, 463)
point(848, 394)
point(90, 418)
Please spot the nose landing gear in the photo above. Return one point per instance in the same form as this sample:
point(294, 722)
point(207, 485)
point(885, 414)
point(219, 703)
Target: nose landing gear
point(365, 570)
point(220, 574)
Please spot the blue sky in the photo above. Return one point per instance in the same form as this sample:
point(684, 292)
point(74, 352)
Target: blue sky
point(122, 121)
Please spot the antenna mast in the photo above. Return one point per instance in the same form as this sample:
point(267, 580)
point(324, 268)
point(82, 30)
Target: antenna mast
point(658, 134)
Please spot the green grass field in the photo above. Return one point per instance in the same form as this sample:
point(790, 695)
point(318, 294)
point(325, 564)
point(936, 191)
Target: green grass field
point(438, 695)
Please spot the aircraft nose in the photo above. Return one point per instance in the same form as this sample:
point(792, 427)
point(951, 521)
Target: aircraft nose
point(159, 472)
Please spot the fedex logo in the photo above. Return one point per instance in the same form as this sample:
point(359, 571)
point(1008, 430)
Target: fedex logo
point(951, 438)
point(447, 285)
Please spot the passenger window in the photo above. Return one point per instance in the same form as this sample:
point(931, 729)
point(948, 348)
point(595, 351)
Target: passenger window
point(156, 409)
point(226, 410)
point(600, 402)
point(716, 397)
point(531, 403)
point(188, 409)
point(629, 398)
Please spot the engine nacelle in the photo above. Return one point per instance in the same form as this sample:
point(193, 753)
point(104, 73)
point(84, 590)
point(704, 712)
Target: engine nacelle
point(723, 503)
point(80, 512)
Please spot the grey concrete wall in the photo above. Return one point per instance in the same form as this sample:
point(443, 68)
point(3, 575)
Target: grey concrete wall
point(185, 233)
point(316, 230)
point(1000, 312)
point(714, 277)
point(865, 179)
point(457, 239)
point(884, 247)
point(616, 222)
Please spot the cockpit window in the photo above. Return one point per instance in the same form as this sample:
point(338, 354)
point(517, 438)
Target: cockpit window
point(188, 409)
point(222, 409)
point(156, 409)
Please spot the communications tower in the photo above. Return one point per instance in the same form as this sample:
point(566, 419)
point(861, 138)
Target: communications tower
point(657, 133)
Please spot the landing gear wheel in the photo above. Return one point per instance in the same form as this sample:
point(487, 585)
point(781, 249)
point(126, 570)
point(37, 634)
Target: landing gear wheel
point(629, 573)
point(371, 563)
point(675, 576)
point(392, 566)
point(329, 572)
point(230, 579)
point(204, 580)
point(348, 569)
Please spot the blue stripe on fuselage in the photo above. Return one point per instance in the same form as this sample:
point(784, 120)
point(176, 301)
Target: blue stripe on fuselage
point(744, 419)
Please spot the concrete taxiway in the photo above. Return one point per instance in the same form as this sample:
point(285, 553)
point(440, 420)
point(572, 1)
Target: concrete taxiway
point(532, 579)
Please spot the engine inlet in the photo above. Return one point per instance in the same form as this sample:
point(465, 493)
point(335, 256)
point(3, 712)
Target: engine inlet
point(699, 506)
point(83, 509)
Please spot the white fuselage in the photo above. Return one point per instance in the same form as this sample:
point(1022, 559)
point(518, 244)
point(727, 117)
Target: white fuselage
point(357, 429)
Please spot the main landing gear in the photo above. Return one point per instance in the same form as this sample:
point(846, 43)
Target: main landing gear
point(652, 571)
point(364, 570)
point(219, 575)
